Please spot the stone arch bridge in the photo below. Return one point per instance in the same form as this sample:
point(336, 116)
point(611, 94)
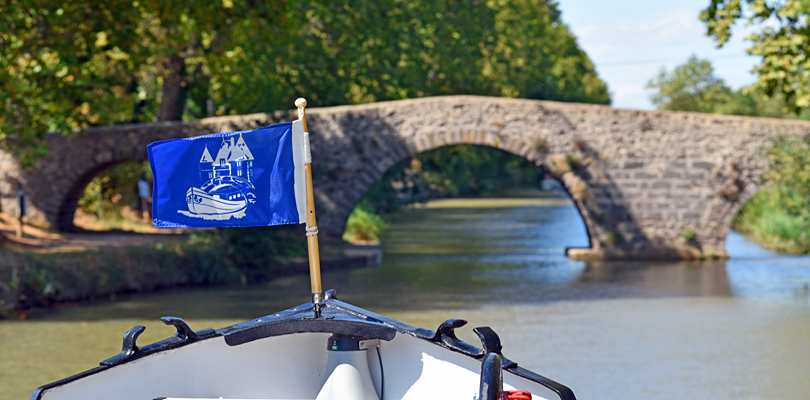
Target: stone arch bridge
point(640, 179)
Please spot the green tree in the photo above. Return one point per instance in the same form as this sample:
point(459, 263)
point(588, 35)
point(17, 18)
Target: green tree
point(790, 172)
point(109, 192)
point(67, 65)
point(360, 51)
point(691, 86)
point(779, 216)
point(782, 40)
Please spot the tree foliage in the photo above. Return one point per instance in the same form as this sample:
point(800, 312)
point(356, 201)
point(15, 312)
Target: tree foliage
point(107, 194)
point(67, 65)
point(783, 42)
point(779, 216)
point(361, 51)
point(790, 172)
point(693, 86)
point(510, 48)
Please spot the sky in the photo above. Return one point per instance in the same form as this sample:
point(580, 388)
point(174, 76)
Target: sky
point(629, 41)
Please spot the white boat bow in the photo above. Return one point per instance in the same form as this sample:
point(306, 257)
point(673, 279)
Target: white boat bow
point(347, 352)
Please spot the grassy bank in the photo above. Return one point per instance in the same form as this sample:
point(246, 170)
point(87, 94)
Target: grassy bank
point(35, 280)
point(778, 217)
point(364, 226)
point(31, 280)
point(770, 224)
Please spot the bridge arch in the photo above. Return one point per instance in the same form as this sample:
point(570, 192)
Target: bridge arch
point(517, 147)
point(71, 202)
point(642, 179)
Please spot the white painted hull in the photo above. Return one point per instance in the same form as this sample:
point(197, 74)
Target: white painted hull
point(256, 360)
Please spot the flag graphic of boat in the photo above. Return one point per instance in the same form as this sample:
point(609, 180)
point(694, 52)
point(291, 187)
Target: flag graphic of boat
point(227, 191)
point(220, 198)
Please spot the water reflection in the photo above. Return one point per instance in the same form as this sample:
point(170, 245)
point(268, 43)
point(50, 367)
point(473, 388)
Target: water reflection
point(641, 279)
point(757, 272)
point(454, 256)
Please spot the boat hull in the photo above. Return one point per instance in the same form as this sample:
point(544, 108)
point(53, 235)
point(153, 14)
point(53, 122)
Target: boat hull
point(284, 356)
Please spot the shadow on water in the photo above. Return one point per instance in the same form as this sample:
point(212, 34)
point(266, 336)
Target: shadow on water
point(450, 255)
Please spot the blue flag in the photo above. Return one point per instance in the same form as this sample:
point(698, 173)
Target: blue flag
point(232, 179)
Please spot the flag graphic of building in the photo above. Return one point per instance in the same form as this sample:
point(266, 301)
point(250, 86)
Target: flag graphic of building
point(233, 159)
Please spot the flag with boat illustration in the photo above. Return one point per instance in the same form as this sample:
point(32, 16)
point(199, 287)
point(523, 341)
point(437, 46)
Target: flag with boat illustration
point(231, 179)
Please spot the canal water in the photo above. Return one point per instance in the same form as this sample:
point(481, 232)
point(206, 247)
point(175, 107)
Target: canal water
point(632, 330)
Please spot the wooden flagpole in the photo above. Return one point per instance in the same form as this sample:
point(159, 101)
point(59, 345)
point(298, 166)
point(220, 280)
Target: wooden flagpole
point(312, 226)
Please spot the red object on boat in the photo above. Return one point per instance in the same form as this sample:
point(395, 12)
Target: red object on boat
point(516, 395)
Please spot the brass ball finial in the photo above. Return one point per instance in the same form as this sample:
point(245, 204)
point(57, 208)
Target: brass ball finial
point(300, 102)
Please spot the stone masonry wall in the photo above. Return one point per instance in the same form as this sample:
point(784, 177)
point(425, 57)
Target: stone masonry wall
point(639, 178)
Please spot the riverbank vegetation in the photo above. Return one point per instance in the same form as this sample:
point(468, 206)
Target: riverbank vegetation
point(779, 215)
point(32, 280)
point(764, 220)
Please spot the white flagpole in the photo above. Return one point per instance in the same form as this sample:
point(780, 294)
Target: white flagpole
point(312, 226)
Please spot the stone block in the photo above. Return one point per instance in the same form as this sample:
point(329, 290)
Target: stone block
point(644, 175)
point(655, 216)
